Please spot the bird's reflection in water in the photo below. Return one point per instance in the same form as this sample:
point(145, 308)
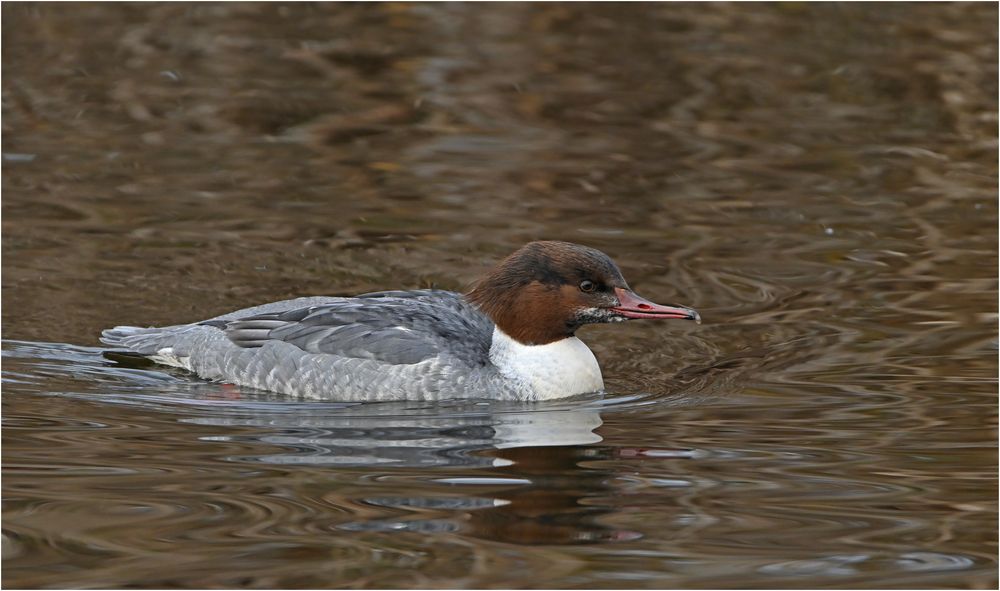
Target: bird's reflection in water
point(525, 474)
point(559, 503)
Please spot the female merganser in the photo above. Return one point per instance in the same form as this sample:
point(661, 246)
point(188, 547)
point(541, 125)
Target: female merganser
point(511, 337)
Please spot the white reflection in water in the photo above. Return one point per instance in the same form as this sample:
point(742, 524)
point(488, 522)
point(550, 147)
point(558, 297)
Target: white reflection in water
point(383, 436)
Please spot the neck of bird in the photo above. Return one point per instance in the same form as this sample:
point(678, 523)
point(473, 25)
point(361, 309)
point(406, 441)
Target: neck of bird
point(530, 314)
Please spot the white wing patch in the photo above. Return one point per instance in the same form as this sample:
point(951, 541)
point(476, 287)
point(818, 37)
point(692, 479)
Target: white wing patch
point(166, 356)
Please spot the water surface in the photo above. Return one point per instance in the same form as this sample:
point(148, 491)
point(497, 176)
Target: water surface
point(818, 180)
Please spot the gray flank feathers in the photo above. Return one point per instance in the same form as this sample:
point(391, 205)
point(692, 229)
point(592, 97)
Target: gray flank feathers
point(394, 345)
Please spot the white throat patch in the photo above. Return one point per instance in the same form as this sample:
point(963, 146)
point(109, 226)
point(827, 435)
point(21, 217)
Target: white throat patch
point(564, 368)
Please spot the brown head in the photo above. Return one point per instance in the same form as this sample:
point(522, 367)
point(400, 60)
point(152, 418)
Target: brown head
point(546, 290)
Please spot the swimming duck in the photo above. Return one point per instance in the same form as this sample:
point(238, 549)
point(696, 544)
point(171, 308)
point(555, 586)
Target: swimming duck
point(512, 337)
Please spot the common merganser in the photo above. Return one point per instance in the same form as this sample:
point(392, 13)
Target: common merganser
point(510, 338)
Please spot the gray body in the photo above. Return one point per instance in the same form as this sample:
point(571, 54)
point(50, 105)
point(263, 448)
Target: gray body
point(394, 345)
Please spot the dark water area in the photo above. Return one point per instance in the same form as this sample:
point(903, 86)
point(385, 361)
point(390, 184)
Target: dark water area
point(818, 180)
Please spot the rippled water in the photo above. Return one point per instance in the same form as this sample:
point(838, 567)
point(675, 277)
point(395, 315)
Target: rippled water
point(818, 180)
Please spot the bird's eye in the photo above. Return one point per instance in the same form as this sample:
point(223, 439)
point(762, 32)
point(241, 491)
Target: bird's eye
point(587, 286)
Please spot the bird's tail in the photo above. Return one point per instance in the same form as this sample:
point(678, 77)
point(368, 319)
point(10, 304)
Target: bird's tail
point(135, 339)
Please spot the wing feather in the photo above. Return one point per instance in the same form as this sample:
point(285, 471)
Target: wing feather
point(399, 327)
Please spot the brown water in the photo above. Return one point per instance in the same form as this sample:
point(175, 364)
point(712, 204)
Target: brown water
point(819, 181)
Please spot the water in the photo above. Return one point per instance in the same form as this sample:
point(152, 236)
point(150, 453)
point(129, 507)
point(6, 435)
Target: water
point(818, 180)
